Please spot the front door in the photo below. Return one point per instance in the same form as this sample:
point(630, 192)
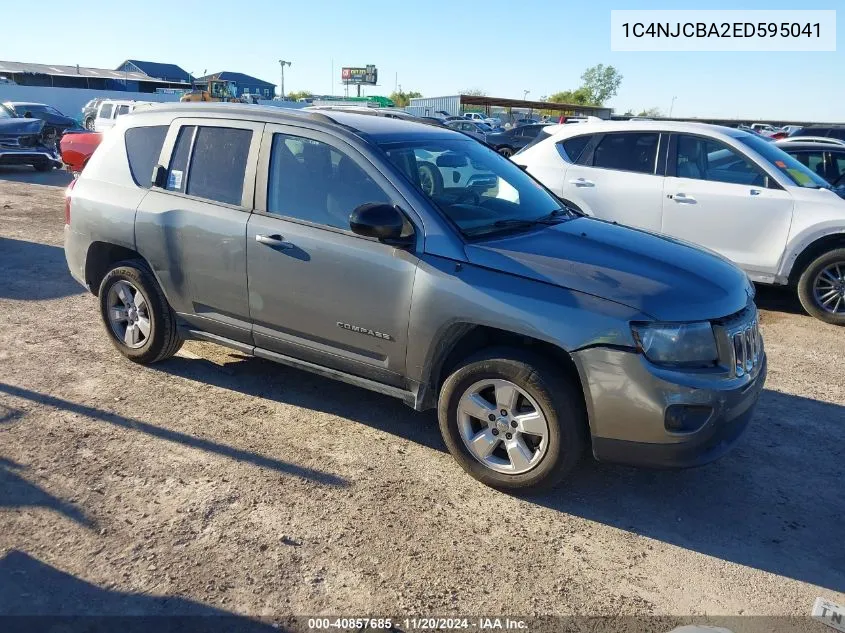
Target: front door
point(317, 291)
point(717, 197)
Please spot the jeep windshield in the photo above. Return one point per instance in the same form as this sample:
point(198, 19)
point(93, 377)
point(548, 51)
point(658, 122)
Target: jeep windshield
point(480, 191)
point(784, 163)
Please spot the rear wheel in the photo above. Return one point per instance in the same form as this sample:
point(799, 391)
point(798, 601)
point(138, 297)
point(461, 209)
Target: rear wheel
point(821, 287)
point(136, 315)
point(89, 124)
point(431, 180)
point(512, 421)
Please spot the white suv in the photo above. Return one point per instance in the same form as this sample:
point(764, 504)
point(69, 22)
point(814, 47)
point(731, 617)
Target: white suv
point(730, 191)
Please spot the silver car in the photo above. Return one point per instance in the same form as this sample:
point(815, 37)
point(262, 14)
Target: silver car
point(476, 129)
point(316, 240)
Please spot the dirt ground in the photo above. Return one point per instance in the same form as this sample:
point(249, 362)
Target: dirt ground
point(218, 483)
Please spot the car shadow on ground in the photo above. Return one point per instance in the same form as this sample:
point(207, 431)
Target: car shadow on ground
point(779, 299)
point(39, 597)
point(31, 271)
point(774, 503)
point(211, 446)
point(17, 492)
point(25, 173)
point(265, 379)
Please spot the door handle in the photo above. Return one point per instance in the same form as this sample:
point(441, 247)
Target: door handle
point(683, 198)
point(755, 192)
point(582, 182)
point(276, 241)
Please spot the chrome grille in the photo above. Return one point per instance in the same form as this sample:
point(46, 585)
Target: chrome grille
point(747, 347)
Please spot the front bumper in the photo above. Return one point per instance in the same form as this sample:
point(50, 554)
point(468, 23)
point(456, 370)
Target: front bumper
point(628, 398)
point(28, 157)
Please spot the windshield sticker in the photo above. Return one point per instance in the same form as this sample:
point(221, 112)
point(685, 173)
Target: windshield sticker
point(174, 181)
point(799, 176)
point(780, 164)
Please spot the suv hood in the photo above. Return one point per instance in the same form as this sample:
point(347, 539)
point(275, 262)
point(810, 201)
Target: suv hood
point(21, 126)
point(661, 277)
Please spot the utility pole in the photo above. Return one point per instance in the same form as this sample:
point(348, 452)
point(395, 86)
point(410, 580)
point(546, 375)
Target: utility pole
point(525, 94)
point(282, 63)
point(672, 106)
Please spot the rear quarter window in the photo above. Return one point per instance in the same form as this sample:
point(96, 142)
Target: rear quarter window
point(218, 164)
point(573, 147)
point(143, 146)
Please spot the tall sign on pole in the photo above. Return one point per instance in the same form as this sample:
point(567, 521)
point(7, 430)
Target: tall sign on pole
point(282, 63)
point(359, 76)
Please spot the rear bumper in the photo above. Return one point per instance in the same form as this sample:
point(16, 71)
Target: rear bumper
point(628, 398)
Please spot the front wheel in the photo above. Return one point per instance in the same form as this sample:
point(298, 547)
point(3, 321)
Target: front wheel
point(821, 287)
point(507, 152)
point(512, 421)
point(89, 124)
point(136, 315)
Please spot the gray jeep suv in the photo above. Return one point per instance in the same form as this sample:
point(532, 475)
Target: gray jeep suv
point(413, 261)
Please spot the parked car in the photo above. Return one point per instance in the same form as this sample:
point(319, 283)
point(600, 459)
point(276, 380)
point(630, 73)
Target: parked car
point(110, 109)
point(790, 129)
point(825, 159)
point(76, 149)
point(533, 330)
point(89, 113)
point(510, 141)
point(827, 140)
point(482, 118)
point(832, 131)
point(725, 189)
point(23, 142)
point(475, 129)
point(525, 121)
point(763, 129)
point(433, 120)
point(55, 123)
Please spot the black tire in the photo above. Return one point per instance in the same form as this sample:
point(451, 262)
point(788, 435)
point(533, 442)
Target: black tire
point(43, 166)
point(807, 281)
point(164, 339)
point(430, 170)
point(505, 151)
point(560, 400)
point(89, 124)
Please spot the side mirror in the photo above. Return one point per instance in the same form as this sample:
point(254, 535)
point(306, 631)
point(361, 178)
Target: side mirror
point(159, 176)
point(377, 219)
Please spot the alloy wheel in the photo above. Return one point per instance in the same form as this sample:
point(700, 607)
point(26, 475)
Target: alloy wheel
point(128, 314)
point(502, 426)
point(829, 288)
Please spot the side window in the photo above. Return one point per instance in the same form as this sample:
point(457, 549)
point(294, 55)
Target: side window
point(143, 147)
point(703, 159)
point(313, 181)
point(627, 151)
point(105, 111)
point(178, 170)
point(121, 110)
point(573, 147)
point(218, 164)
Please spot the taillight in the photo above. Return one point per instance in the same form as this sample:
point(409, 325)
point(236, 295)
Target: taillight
point(68, 192)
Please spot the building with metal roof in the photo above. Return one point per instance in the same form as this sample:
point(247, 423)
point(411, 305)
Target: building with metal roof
point(243, 84)
point(60, 76)
point(157, 70)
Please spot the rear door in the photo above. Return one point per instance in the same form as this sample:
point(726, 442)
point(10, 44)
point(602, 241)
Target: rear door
point(618, 177)
point(193, 230)
point(716, 196)
point(317, 291)
point(105, 117)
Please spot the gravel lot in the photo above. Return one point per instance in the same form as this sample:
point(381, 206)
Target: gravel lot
point(215, 482)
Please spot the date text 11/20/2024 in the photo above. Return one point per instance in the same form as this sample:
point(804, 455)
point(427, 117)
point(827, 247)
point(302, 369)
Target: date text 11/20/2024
point(419, 624)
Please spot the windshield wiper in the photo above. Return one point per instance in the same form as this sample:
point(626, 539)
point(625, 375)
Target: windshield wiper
point(555, 217)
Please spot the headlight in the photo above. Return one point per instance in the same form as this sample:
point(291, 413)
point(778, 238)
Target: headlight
point(677, 343)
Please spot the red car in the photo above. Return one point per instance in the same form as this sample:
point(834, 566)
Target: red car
point(76, 149)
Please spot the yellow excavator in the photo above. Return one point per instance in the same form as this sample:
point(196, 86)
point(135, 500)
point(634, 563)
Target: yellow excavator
point(212, 90)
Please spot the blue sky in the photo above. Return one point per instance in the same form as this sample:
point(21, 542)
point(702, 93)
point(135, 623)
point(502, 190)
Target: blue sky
point(439, 48)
